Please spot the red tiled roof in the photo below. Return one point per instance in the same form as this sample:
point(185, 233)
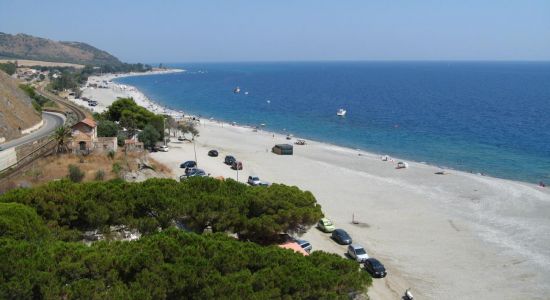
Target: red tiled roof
point(89, 122)
point(294, 246)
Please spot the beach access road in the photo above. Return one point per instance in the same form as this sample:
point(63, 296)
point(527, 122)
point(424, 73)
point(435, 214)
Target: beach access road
point(51, 122)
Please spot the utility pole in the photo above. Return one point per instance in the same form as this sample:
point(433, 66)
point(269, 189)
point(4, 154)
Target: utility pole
point(195, 150)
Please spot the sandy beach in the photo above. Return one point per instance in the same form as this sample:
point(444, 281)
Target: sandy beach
point(453, 236)
point(108, 91)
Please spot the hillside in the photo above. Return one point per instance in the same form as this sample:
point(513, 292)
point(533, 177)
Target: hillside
point(16, 110)
point(23, 46)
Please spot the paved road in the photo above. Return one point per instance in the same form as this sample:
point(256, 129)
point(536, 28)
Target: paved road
point(51, 122)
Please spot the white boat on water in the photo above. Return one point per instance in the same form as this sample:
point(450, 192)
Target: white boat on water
point(237, 90)
point(341, 112)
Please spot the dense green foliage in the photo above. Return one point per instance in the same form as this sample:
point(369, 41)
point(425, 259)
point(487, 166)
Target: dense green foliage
point(65, 80)
point(38, 101)
point(21, 222)
point(125, 68)
point(171, 264)
point(255, 213)
point(8, 67)
point(106, 128)
point(75, 174)
point(133, 117)
point(149, 136)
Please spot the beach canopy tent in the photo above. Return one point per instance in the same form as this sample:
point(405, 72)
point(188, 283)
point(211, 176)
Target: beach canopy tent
point(282, 149)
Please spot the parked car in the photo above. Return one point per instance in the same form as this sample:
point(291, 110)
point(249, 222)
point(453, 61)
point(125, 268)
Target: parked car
point(254, 180)
point(196, 172)
point(229, 160)
point(375, 268)
point(237, 165)
point(305, 245)
point(213, 153)
point(341, 237)
point(357, 253)
point(193, 172)
point(181, 138)
point(188, 164)
point(163, 148)
point(326, 225)
point(190, 171)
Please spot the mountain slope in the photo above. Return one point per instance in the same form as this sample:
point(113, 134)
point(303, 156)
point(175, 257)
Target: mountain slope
point(23, 46)
point(16, 110)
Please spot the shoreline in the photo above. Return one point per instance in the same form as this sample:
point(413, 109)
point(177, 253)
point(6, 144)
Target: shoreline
point(413, 219)
point(108, 91)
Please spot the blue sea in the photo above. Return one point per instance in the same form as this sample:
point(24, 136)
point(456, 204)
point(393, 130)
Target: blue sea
point(482, 117)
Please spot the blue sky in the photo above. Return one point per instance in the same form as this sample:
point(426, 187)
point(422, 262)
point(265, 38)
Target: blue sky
point(285, 30)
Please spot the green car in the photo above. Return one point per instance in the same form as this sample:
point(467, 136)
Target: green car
point(326, 225)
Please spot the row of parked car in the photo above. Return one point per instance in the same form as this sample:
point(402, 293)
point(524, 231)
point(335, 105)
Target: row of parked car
point(354, 251)
point(191, 169)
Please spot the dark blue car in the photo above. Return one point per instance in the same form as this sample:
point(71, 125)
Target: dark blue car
point(341, 237)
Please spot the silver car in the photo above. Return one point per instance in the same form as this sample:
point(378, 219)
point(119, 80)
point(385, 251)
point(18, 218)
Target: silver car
point(357, 253)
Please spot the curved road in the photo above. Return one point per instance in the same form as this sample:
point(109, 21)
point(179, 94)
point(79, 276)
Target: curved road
point(51, 122)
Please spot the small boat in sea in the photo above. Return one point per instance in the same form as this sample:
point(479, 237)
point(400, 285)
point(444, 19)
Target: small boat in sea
point(237, 90)
point(246, 93)
point(341, 112)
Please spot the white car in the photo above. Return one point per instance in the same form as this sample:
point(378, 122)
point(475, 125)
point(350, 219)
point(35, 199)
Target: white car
point(254, 180)
point(163, 148)
point(357, 253)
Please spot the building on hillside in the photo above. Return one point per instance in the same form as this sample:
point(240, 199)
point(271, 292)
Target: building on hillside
point(106, 144)
point(84, 134)
point(132, 145)
point(85, 139)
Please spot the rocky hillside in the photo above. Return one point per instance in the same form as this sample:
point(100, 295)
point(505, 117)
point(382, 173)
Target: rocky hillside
point(23, 46)
point(16, 110)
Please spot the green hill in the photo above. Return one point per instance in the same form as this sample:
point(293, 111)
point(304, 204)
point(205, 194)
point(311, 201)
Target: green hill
point(23, 46)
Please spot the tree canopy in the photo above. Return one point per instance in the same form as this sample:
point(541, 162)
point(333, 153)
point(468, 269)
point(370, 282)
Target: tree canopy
point(254, 213)
point(149, 136)
point(40, 263)
point(20, 222)
point(132, 116)
point(9, 67)
point(172, 265)
point(106, 128)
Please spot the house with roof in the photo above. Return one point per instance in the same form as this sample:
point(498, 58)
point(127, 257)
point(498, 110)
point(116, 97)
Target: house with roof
point(85, 140)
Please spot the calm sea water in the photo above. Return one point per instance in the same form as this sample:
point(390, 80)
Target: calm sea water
point(492, 118)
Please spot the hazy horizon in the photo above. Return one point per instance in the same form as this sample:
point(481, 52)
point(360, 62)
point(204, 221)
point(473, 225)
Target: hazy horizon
point(248, 31)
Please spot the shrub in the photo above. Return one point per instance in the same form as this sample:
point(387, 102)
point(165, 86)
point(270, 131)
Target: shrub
point(111, 154)
point(99, 175)
point(116, 168)
point(121, 137)
point(75, 174)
